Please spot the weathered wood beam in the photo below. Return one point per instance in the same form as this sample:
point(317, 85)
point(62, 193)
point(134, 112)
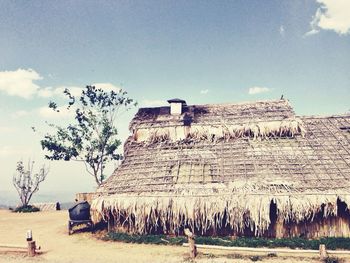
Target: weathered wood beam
point(271, 250)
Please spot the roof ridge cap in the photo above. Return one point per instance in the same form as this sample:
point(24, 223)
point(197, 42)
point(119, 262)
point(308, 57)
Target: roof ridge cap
point(227, 103)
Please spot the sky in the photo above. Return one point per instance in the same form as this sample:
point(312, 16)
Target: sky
point(200, 51)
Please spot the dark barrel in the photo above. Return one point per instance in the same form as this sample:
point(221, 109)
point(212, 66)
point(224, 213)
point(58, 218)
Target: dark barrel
point(80, 211)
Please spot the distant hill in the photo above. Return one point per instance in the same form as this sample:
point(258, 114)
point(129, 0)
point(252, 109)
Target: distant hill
point(10, 199)
point(66, 206)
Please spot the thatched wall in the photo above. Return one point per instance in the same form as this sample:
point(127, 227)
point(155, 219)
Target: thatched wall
point(309, 215)
point(221, 174)
point(46, 206)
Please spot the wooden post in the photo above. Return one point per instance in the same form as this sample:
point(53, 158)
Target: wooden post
point(110, 223)
point(323, 251)
point(31, 244)
point(279, 227)
point(31, 248)
point(191, 243)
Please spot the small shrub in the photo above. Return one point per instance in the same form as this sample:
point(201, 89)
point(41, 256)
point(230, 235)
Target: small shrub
point(272, 255)
point(300, 243)
point(255, 258)
point(146, 239)
point(210, 255)
point(336, 242)
point(234, 256)
point(26, 209)
point(332, 260)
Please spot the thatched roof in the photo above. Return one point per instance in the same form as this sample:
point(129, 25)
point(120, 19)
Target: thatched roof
point(228, 162)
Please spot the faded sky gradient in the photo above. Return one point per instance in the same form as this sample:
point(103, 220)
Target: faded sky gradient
point(200, 51)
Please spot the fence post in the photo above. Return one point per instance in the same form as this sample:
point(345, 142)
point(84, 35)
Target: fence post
point(31, 244)
point(323, 251)
point(191, 243)
point(31, 248)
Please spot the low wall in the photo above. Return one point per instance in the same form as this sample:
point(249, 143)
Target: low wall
point(46, 206)
point(85, 197)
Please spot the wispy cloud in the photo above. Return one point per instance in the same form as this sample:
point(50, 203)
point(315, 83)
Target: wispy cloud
point(6, 129)
point(205, 91)
point(258, 90)
point(282, 30)
point(6, 151)
point(76, 91)
point(311, 32)
point(331, 15)
point(153, 103)
point(45, 112)
point(19, 82)
point(48, 113)
point(46, 92)
point(20, 113)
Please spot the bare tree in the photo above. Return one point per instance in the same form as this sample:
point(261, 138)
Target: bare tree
point(27, 182)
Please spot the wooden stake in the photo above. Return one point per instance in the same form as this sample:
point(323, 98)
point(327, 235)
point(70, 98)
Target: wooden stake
point(323, 251)
point(31, 248)
point(191, 242)
point(110, 225)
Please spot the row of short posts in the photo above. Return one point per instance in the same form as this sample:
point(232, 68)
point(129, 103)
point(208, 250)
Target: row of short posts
point(193, 248)
point(191, 241)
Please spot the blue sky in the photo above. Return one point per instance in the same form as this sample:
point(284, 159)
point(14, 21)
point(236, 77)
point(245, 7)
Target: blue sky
point(201, 51)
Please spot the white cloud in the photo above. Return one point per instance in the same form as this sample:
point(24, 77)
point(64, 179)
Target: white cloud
point(331, 15)
point(20, 113)
point(49, 113)
point(6, 151)
point(19, 82)
point(281, 30)
point(258, 90)
point(46, 92)
point(205, 91)
point(6, 129)
point(153, 103)
point(311, 32)
point(76, 91)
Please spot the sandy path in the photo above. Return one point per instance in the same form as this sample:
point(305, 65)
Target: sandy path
point(50, 232)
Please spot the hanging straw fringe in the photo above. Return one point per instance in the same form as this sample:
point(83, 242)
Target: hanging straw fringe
point(259, 130)
point(172, 213)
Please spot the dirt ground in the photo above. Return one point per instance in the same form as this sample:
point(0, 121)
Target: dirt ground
point(50, 232)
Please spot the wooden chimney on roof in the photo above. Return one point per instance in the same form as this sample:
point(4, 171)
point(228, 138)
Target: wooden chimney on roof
point(176, 106)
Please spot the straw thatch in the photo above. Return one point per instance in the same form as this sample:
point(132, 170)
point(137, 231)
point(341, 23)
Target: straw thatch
point(223, 166)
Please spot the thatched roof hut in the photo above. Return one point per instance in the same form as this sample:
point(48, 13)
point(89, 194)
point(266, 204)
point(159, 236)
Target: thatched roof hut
point(231, 169)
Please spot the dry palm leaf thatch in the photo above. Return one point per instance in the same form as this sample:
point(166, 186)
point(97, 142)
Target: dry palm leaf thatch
point(259, 130)
point(221, 166)
point(201, 213)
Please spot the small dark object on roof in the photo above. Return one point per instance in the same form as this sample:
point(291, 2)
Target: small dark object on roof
point(80, 211)
point(177, 101)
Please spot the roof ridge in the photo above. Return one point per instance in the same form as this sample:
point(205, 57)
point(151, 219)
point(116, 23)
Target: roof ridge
point(228, 103)
point(346, 115)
